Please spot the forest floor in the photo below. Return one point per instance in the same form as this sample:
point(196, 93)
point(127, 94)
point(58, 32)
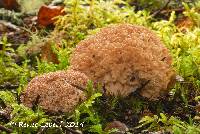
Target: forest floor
point(37, 39)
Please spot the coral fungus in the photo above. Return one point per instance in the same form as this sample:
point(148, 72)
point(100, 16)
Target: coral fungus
point(125, 58)
point(57, 91)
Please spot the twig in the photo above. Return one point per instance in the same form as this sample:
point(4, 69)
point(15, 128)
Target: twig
point(10, 25)
point(56, 2)
point(5, 129)
point(158, 11)
point(5, 114)
point(41, 130)
point(8, 86)
point(170, 10)
point(66, 128)
point(143, 85)
point(35, 103)
point(76, 86)
point(138, 90)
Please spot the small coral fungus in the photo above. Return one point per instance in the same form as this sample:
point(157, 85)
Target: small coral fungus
point(125, 58)
point(58, 91)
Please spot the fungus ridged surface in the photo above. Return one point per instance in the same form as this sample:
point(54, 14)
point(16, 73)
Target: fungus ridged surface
point(59, 91)
point(125, 58)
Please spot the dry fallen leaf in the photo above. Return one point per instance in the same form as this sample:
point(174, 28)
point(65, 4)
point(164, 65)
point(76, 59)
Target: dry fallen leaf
point(47, 54)
point(46, 15)
point(185, 23)
point(9, 4)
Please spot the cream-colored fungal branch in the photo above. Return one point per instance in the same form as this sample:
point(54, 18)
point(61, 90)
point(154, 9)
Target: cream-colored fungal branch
point(59, 91)
point(125, 57)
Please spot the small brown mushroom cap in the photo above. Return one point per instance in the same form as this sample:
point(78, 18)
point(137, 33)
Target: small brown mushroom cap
point(57, 91)
point(124, 57)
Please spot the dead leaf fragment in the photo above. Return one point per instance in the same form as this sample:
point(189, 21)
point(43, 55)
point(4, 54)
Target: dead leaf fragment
point(9, 4)
point(46, 14)
point(185, 23)
point(197, 107)
point(47, 54)
point(121, 127)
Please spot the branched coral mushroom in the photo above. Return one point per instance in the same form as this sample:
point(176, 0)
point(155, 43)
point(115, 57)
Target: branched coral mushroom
point(124, 58)
point(58, 91)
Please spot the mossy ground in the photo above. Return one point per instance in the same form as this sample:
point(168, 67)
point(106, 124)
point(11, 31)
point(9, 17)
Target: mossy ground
point(176, 113)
